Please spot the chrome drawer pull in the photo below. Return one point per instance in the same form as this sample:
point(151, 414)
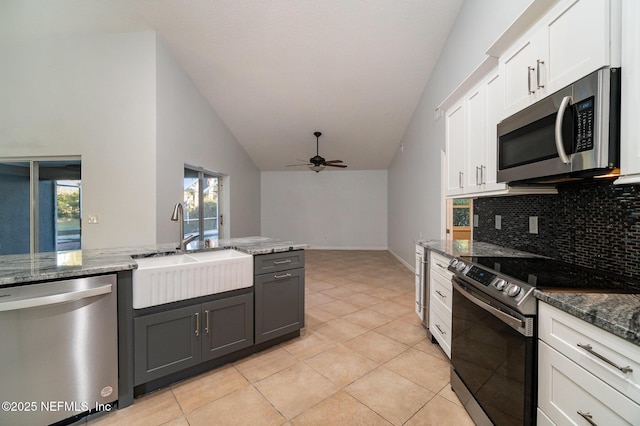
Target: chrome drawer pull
point(587, 417)
point(440, 294)
point(441, 265)
point(438, 327)
point(281, 262)
point(279, 277)
point(206, 321)
point(589, 349)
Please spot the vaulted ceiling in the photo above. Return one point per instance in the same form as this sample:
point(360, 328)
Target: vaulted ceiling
point(275, 71)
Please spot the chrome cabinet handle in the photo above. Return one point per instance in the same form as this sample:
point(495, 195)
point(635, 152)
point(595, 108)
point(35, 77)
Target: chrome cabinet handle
point(206, 321)
point(482, 177)
point(529, 69)
point(281, 262)
point(440, 294)
point(197, 324)
point(587, 417)
point(460, 179)
point(589, 349)
point(439, 329)
point(478, 182)
point(559, 144)
point(279, 277)
point(441, 265)
point(538, 63)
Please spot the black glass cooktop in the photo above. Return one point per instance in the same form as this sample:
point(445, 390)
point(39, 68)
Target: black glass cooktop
point(550, 275)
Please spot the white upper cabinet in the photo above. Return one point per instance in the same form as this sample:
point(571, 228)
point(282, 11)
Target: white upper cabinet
point(455, 130)
point(630, 107)
point(573, 39)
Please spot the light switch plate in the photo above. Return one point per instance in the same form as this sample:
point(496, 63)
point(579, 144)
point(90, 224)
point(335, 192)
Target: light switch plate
point(476, 219)
point(533, 224)
point(93, 219)
point(498, 221)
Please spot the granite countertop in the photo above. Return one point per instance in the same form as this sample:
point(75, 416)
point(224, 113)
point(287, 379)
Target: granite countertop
point(618, 314)
point(457, 248)
point(27, 268)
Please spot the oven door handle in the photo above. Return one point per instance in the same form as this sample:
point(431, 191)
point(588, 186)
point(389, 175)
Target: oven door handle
point(502, 316)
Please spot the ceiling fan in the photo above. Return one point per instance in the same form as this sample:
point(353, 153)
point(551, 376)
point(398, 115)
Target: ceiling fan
point(318, 163)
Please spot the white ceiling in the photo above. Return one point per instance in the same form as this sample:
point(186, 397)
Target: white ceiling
point(278, 70)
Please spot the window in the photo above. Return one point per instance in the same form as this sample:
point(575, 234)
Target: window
point(201, 204)
point(40, 208)
point(461, 215)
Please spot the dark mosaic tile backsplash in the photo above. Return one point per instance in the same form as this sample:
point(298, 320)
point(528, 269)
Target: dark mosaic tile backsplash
point(593, 223)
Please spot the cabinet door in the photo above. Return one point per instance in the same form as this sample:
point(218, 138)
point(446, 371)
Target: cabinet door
point(279, 304)
point(476, 138)
point(630, 108)
point(166, 342)
point(227, 325)
point(455, 129)
point(577, 34)
point(495, 108)
point(565, 390)
point(519, 69)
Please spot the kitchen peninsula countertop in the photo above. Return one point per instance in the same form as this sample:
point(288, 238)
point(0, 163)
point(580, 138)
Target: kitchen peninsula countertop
point(618, 314)
point(27, 268)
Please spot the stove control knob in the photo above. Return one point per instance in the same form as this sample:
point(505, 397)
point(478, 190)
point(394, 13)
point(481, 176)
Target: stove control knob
point(513, 290)
point(453, 262)
point(460, 266)
point(501, 284)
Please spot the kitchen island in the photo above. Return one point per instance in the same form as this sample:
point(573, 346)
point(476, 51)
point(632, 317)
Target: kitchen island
point(39, 267)
point(224, 322)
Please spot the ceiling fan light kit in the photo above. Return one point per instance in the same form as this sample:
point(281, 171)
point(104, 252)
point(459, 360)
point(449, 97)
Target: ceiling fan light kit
point(318, 163)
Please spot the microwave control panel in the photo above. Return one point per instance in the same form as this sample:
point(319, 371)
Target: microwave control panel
point(584, 111)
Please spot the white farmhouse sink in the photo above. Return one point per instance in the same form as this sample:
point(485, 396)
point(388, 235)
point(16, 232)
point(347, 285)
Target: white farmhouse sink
point(166, 279)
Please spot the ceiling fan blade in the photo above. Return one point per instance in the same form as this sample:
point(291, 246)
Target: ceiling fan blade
point(333, 161)
point(298, 165)
point(336, 165)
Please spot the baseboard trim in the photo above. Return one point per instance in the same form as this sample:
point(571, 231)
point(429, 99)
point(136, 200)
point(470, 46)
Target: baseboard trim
point(401, 260)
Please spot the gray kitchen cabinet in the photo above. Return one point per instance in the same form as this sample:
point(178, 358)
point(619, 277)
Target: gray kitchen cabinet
point(279, 295)
point(228, 325)
point(173, 340)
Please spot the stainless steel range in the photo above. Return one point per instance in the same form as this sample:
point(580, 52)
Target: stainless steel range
point(494, 330)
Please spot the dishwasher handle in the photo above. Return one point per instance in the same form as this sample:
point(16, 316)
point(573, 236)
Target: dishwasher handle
point(53, 299)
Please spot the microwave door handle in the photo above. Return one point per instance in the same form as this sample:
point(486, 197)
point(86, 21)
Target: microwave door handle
point(566, 101)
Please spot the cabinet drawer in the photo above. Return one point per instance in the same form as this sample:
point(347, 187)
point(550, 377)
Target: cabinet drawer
point(438, 262)
point(274, 262)
point(564, 332)
point(441, 291)
point(440, 327)
point(565, 390)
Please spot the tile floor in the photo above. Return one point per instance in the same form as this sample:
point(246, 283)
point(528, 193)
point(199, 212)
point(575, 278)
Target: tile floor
point(362, 359)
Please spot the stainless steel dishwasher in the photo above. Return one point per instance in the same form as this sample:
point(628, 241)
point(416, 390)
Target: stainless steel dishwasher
point(58, 350)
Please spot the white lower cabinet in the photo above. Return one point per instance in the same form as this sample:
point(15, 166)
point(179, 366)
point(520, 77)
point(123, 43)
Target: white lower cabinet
point(586, 376)
point(440, 292)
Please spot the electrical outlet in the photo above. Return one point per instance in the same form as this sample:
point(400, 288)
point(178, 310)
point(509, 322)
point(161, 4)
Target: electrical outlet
point(93, 219)
point(476, 219)
point(533, 224)
point(498, 221)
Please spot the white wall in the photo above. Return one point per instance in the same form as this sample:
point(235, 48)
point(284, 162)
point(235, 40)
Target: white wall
point(415, 174)
point(93, 97)
point(331, 209)
point(123, 104)
point(190, 131)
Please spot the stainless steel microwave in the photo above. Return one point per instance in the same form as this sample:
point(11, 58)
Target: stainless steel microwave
point(573, 133)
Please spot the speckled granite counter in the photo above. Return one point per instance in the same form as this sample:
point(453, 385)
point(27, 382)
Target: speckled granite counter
point(618, 314)
point(25, 268)
point(471, 248)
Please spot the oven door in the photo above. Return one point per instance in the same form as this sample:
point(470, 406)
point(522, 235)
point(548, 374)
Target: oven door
point(493, 357)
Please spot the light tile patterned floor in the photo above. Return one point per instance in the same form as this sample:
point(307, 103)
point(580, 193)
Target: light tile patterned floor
point(362, 359)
